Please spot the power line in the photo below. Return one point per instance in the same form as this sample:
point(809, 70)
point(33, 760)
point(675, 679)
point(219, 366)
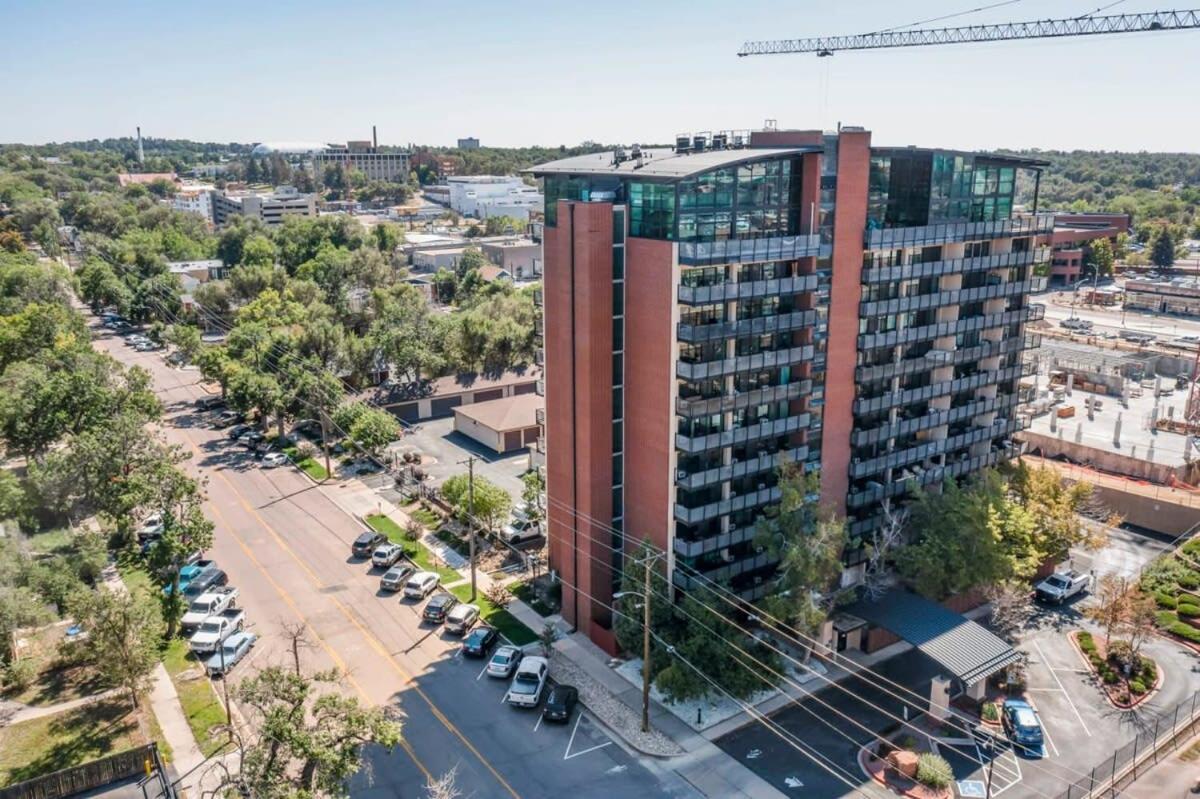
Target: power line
point(949, 16)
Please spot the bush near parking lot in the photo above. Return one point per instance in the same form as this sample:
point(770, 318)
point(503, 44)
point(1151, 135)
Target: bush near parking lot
point(414, 551)
point(1171, 579)
point(1110, 665)
point(933, 771)
point(501, 619)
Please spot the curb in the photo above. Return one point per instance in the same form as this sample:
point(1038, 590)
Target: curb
point(1087, 664)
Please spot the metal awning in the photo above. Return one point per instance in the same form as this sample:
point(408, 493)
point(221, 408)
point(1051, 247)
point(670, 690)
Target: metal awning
point(963, 647)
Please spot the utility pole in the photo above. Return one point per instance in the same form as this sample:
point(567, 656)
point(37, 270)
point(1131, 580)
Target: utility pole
point(470, 461)
point(646, 647)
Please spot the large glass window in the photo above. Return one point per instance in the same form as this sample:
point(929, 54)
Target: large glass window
point(652, 210)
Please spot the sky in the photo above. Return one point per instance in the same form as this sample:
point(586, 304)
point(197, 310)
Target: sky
point(531, 72)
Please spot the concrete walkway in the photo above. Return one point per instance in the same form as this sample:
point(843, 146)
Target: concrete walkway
point(30, 712)
point(1171, 777)
point(185, 753)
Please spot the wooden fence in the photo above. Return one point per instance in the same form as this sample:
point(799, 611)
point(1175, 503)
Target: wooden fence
point(142, 761)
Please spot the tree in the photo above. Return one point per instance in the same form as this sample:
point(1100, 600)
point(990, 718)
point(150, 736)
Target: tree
point(387, 237)
point(1162, 247)
point(492, 504)
point(1112, 603)
point(880, 550)
point(808, 543)
point(1141, 623)
point(443, 787)
point(1120, 247)
point(374, 429)
point(186, 339)
point(472, 258)
point(123, 633)
point(1100, 256)
point(1011, 607)
point(534, 488)
point(303, 738)
point(258, 251)
point(346, 414)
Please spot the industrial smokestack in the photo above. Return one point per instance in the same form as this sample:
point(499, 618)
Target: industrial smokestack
point(141, 152)
point(374, 137)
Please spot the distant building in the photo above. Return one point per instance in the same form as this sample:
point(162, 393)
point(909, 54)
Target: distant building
point(270, 208)
point(520, 257)
point(145, 178)
point(482, 196)
point(442, 165)
point(365, 157)
point(1179, 296)
point(437, 193)
point(1072, 236)
point(286, 148)
point(194, 199)
point(438, 397)
point(469, 143)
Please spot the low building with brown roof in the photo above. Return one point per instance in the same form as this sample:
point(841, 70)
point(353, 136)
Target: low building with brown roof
point(502, 425)
point(438, 397)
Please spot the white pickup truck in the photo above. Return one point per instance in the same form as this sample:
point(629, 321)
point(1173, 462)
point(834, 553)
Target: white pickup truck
point(1061, 586)
point(215, 629)
point(208, 604)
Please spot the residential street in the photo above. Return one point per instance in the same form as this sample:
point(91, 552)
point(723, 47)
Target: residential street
point(286, 545)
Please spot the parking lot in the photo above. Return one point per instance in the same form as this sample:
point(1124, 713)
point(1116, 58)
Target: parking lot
point(444, 451)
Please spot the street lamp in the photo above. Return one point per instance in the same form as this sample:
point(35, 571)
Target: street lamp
point(645, 647)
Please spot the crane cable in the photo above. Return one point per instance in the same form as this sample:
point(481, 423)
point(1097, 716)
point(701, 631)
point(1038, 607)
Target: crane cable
point(951, 16)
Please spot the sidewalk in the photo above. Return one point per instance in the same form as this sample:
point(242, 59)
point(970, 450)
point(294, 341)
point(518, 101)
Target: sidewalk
point(164, 700)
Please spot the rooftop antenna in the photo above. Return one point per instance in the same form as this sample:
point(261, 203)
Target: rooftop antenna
point(141, 152)
point(374, 138)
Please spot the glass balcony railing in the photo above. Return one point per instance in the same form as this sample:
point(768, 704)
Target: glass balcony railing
point(911, 335)
point(953, 266)
point(895, 238)
point(746, 327)
point(704, 370)
point(766, 462)
point(714, 510)
point(701, 406)
point(694, 548)
point(742, 435)
point(937, 299)
point(877, 492)
point(539, 416)
point(540, 388)
point(749, 251)
point(746, 290)
point(903, 397)
point(935, 418)
point(537, 298)
point(930, 449)
point(937, 358)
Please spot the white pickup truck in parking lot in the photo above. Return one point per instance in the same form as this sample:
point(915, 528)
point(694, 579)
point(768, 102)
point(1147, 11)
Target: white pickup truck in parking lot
point(215, 629)
point(527, 684)
point(1061, 586)
point(208, 604)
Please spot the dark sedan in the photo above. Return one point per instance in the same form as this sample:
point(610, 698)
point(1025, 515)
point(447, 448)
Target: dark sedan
point(437, 608)
point(209, 578)
point(560, 704)
point(366, 542)
point(1024, 728)
point(480, 641)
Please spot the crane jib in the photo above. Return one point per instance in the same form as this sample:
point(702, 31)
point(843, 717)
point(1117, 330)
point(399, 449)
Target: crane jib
point(1007, 31)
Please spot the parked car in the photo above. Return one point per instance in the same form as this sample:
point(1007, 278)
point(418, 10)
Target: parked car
point(1061, 586)
point(480, 641)
point(519, 530)
point(505, 661)
point(366, 543)
point(420, 584)
point(188, 575)
point(251, 439)
point(437, 608)
point(1023, 726)
point(237, 431)
point(208, 604)
point(527, 684)
point(235, 647)
point(213, 632)
point(147, 345)
point(152, 526)
point(461, 618)
point(207, 579)
point(386, 555)
point(209, 403)
point(394, 578)
point(560, 703)
point(273, 459)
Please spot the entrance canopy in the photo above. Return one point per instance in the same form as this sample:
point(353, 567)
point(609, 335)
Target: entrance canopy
point(964, 648)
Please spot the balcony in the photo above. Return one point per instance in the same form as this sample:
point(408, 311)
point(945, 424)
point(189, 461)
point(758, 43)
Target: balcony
point(539, 328)
point(930, 449)
point(896, 399)
point(539, 356)
point(924, 477)
point(540, 388)
point(749, 251)
point(539, 416)
point(895, 238)
point(921, 302)
point(937, 358)
point(746, 327)
point(953, 266)
point(541, 445)
point(746, 290)
point(742, 435)
point(935, 418)
point(714, 510)
point(766, 462)
point(537, 298)
point(705, 370)
point(911, 335)
point(698, 406)
point(720, 574)
point(695, 548)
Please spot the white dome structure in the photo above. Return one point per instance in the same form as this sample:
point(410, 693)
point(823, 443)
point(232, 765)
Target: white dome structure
point(286, 148)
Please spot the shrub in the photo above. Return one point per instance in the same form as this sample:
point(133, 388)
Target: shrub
point(1148, 673)
point(1120, 653)
point(1136, 687)
point(1086, 642)
point(990, 712)
point(1165, 600)
point(19, 675)
point(933, 771)
point(1185, 631)
point(1166, 618)
point(1096, 661)
point(413, 530)
point(1109, 676)
point(1188, 579)
point(1188, 610)
point(499, 595)
point(1192, 548)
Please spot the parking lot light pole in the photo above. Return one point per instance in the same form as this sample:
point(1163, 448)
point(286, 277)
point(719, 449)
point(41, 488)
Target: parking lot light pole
point(470, 461)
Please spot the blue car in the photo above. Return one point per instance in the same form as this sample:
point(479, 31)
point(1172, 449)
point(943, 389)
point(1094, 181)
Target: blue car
point(234, 648)
point(1024, 728)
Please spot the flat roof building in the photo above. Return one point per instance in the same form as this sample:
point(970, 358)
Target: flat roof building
point(365, 157)
point(1072, 238)
point(270, 208)
point(739, 301)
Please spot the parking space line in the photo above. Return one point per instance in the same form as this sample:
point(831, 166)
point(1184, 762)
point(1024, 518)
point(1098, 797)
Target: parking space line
point(538, 724)
point(574, 730)
point(482, 671)
point(1070, 701)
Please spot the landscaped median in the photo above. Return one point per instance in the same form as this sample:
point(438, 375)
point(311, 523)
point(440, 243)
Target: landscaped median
point(413, 550)
point(497, 617)
point(1109, 662)
point(306, 463)
point(1174, 582)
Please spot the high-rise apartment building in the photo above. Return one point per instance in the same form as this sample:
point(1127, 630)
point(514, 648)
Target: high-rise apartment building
point(744, 299)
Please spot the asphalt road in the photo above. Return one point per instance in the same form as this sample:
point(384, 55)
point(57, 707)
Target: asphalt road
point(287, 547)
point(1114, 320)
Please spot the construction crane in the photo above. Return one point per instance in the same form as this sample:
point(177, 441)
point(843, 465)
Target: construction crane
point(1007, 31)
